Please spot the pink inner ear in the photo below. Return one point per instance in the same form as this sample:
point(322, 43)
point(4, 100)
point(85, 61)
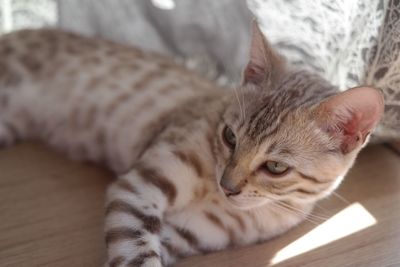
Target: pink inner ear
point(264, 64)
point(353, 115)
point(260, 63)
point(257, 69)
point(253, 74)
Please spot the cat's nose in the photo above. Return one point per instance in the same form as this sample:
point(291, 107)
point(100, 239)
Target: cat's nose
point(229, 193)
point(228, 189)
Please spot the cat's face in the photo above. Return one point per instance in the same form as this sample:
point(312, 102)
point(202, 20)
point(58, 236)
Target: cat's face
point(273, 148)
point(288, 157)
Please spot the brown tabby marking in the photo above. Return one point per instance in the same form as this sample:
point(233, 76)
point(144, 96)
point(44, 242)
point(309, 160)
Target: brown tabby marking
point(117, 261)
point(214, 219)
point(141, 108)
point(121, 233)
point(141, 258)
point(33, 65)
point(147, 78)
point(312, 179)
point(6, 49)
point(191, 159)
point(122, 68)
point(57, 64)
point(174, 137)
point(72, 72)
point(34, 45)
point(305, 191)
point(168, 88)
point(158, 180)
point(254, 221)
point(94, 83)
point(215, 201)
point(126, 186)
point(200, 192)
point(117, 102)
point(91, 61)
point(150, 223)
point(172, 250)
point(187, 236)
point(282, 185)
point(141, 243)
point(238, 219)
point(8, 77)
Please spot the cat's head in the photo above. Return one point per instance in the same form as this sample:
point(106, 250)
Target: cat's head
point(287, 135)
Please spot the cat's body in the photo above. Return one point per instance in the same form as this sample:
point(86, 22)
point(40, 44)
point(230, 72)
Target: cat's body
point(159, 127)
point(91, 91)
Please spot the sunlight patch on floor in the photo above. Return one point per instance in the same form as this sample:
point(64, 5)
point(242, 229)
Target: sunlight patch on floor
point(346, 222)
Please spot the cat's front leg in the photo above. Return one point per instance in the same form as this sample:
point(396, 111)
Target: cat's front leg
point(135, 206)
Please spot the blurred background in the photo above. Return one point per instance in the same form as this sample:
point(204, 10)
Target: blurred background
point(17, 14)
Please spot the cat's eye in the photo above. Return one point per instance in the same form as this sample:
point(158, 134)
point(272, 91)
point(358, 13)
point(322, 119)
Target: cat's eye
point(275, 168)
point(229, 137)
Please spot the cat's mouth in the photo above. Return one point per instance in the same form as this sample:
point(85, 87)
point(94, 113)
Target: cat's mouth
point(230, 197)
point(239, 201)
point(236, 196)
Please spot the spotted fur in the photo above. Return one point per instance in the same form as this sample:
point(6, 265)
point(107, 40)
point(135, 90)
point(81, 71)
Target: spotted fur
point(159, 128)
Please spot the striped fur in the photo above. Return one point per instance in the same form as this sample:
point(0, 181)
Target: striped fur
point(159, 128)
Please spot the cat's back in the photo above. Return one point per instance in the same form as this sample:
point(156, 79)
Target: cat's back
point(96, 98)
point(44, 53)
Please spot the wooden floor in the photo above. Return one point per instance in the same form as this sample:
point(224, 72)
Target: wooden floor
point(51, 214)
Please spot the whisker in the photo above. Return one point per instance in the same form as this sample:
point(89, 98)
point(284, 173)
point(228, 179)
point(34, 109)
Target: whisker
point(288, 206)
point(240, 106)
point(322, 208)
point(314, 216)
point(243, 104)
point(341, 198)
point(285, 209)
point(315, 219)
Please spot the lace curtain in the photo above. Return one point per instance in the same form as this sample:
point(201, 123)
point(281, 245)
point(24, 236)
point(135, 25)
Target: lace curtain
point(18, 14)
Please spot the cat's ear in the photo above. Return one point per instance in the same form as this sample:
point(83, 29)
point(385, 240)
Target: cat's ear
point(264, 64)
point(351, 115)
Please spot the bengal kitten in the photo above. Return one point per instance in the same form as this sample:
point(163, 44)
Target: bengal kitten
point(200, 168)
